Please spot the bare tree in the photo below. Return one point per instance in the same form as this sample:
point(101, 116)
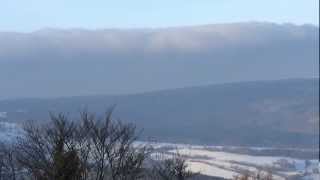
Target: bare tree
point(50, 152)
point(8, 163)
point(89, 149)
point(173, 168)
point(260, 174)
point(113, 150)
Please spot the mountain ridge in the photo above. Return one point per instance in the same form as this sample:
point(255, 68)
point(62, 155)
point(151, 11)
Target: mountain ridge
point(267, 113)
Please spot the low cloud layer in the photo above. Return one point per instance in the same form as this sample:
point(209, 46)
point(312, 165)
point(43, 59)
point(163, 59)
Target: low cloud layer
point(219, 39)
point(150, 59)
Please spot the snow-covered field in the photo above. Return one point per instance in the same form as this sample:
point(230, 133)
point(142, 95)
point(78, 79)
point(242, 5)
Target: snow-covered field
point(227, 165)
point(9, 131)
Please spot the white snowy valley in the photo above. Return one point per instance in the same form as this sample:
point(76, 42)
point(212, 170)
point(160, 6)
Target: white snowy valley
point(213, 161)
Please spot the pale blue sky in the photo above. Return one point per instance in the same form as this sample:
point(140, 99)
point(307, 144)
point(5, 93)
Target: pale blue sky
point(30, 15)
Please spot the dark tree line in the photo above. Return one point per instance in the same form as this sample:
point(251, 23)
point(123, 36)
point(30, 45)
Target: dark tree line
point(90, 149)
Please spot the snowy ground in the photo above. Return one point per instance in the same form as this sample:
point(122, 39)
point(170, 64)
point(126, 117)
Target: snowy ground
point(9, 131)
point(227, 165)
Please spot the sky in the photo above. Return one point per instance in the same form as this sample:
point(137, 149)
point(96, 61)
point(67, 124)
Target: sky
point(32, 15)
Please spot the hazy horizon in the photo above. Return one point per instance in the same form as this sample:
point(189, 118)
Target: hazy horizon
point(157, 28)
point(28, 16)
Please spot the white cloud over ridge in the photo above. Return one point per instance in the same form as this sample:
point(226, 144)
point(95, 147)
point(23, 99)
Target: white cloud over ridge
point(63, 62)
point(179, 40)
